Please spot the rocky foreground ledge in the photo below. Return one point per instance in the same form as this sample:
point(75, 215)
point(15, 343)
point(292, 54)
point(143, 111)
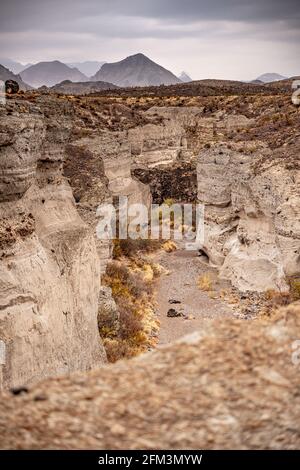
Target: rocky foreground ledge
point(234, 386)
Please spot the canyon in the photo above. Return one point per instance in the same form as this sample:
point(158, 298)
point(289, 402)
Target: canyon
point(236, 151)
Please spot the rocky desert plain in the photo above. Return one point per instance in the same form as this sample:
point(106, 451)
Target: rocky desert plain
point(141, 344)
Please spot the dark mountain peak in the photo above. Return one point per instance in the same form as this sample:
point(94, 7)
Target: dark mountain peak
point(138, 57)
point(184, 77)
point(135, 70)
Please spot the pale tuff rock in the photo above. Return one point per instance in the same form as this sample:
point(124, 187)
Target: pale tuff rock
point(158, 145)
point(21, 147)
point(164, 154)
point(117, 166)
point(106, 175)
point(251, 216)
point(234, 387)
point(200, 124)
point(108, 314)
point(161, 157)
point(182, 116)
point(49, 272)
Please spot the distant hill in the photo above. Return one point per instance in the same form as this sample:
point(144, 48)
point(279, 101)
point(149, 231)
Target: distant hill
point(51, 73)
point(184, 77)
point(256, 82)
point(89, 67)
point(81, 88)
point(12, 65)
point(270, 77)
point(135, 70)
point(6, 74)
point(283, 84)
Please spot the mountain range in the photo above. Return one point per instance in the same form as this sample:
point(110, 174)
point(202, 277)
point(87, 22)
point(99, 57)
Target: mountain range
point(135, 70)
point(13, 66)
point(270, 77)
point(51, 73)
point(6, 74)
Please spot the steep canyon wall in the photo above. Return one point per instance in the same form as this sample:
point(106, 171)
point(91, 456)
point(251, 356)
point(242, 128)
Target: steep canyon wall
point(49, 272)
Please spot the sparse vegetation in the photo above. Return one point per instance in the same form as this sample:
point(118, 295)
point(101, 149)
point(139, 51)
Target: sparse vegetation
point(273, 300)
point(295, 288)
point(130, 276)
point(131, 248)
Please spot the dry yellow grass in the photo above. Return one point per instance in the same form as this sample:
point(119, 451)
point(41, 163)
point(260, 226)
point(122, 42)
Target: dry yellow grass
point(205, 282)
point(131, 282)
point(169, 246)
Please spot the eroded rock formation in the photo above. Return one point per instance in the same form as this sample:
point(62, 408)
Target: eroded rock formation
point(99, 169)
point(49, 272)
point(161, 157)
point(252, 214)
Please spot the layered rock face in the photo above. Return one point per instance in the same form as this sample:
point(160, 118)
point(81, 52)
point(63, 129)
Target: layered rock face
point(164, 155)
point(100, 171)
point(252, 218)
point(161, 157)
point(49, 272)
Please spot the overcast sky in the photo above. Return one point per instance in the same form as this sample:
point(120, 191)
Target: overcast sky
point(232, 39)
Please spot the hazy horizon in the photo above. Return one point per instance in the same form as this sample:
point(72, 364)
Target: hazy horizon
point(225, 40)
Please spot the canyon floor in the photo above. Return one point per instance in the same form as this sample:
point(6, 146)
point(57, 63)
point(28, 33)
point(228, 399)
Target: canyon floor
point(178, 289)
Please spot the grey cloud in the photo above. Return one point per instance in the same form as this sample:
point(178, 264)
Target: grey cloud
point(31, 14)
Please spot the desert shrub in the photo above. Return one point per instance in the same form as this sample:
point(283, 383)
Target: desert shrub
point(273, 300)
point(205, 282)
point(130, 322)
point(131, 248)
point(295, 288)
point(169, 202)
point(169, 246)
point(126, 283)
point(117, 349)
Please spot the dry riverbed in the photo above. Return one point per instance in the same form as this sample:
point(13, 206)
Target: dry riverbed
point(178, 291)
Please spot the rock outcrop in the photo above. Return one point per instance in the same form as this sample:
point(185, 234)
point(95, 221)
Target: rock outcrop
point(232, 386)
point(164, 156)
point(252, 218)
point(99, 169)
point(49, 271)
point(161, 157)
